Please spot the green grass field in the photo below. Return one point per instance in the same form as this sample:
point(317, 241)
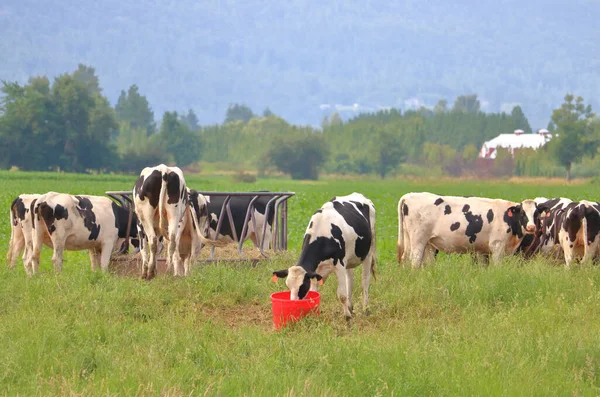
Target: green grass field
point(454, 328)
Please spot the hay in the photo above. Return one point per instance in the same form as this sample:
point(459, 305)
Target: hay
point(129, 265)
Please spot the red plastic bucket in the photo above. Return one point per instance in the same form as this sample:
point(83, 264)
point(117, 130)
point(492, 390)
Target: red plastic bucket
point(286, 310)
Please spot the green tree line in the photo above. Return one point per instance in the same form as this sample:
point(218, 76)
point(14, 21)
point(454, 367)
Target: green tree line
point(68, 124)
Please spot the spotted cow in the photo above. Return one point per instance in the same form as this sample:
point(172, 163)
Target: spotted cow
point(161, 201)
point(73, 223)
point(549, 220)
point(21, 230)
point(340, 236)
point(429, 222)
point(578, 231)
point(239, 206)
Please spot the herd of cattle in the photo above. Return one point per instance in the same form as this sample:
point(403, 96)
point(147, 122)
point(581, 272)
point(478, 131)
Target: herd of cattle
point(165, 209)
point(340, 235)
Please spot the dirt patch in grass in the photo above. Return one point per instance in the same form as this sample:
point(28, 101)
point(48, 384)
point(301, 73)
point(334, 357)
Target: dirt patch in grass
point(129, 265)
point(239, 316)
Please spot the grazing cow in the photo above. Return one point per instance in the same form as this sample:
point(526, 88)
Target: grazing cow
point(239, 207)
point(548, 222)
point(21, 230)
point(195, 227)
point(428, 222)
point(160, 198)
point(339, 237)
point(66, 222)
point(578, 235)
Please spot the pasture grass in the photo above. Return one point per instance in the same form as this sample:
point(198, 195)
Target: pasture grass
point(456, 327)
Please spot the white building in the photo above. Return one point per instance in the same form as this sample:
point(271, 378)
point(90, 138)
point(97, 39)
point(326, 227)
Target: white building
point(516, 140)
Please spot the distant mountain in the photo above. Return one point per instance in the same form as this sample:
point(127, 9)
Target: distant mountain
point(302, 58)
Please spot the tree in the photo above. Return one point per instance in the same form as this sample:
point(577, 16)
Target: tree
point(466, 104)
point(299, 154)
point(336, 120)
point(87, 76)
point(133, 108)
point(237, 112)
point(190, 120)
point(388, 153)
point(267, 112)
point(184, 145)
point(574, 134)
point(441, 106)
point(520, 120)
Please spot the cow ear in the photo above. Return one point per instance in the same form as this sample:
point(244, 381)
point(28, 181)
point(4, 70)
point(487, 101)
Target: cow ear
point(279, 274)
point(315, 275)
point(515, 209)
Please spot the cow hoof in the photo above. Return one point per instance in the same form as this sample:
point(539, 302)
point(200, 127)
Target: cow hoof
point(367, 312)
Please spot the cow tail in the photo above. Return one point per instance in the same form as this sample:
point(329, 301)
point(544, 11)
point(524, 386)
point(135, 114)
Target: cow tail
point(592, 217)
point(400, 230)
point(162, 220)
point(13, 237)
point(200, 231)
point(38, 232)
point(374, 259)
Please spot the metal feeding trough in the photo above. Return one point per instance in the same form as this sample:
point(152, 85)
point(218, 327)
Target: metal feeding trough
point(277, 202)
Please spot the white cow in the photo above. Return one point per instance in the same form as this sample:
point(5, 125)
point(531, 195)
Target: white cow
point(428, 222)
point(74, 223)
point(21, 230)
point(161, 201)
point(340, 236)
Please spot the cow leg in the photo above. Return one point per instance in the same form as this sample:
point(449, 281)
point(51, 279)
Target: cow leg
point(57, 256)
point(27, 254)
point(144, 256)
point(150, 268)
point(367, 267)
point(342, 291)
point(416, 255)
point(591, 251)
point(105, 255)
point(349, 287)
point(16, 246)
point(94, 259)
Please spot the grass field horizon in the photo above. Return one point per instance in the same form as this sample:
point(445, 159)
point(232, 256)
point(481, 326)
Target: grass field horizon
point(455, 327)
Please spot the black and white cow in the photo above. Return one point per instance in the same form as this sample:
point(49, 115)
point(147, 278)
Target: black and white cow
point(239, 206)
point(195, 227)
point(549, 220)
point(339, 237)
point(21, 230)
point(161, 201)
point(74, 223)
point(579, 234)
point(429, 222)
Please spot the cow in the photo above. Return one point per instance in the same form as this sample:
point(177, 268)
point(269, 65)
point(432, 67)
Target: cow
point(67, 222)
point(548, 221)
point(161, 201)
point(21, 230)
point(239, 206)
point(340, 236)
point(429, 222)
point(578, 235)
point(195, 226)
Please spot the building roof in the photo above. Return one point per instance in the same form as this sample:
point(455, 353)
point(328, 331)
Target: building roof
point(513, 141)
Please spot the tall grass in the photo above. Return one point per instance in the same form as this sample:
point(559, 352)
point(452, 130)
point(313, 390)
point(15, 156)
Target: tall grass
point(454, 328)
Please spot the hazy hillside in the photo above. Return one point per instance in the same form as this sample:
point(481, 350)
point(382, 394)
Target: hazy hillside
point(296, 55)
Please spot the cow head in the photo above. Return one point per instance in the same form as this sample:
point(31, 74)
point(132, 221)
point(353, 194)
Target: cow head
point(521, 218)
point(297, 280)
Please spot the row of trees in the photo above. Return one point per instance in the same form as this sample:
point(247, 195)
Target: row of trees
point(68, 124)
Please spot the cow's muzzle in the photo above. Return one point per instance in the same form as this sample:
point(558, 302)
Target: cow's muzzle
point(530, 229)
